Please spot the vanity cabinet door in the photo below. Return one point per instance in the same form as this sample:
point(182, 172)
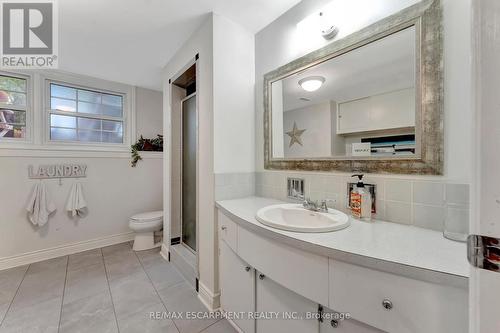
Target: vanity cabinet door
point(343, 326)
point(228, 231)
point(237, 287)
point(295, 269)
point(274, 298)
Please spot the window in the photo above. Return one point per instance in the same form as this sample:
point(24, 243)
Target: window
point(88, 116)
point(13, 107)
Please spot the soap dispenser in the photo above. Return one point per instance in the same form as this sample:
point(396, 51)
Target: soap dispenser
point(361, 200)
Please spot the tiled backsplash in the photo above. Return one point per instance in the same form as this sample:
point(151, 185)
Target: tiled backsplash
point(419, 202)
point(234, 185)
point(408, 201)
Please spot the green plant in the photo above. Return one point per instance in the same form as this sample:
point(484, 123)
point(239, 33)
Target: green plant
point(142, 144)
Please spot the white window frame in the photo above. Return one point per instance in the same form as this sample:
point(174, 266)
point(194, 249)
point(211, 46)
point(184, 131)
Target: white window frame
point(28, 139)
point(51, 112)
point(87, 83)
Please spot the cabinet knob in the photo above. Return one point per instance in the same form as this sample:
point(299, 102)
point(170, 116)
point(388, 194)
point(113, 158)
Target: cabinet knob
point(248, 268)
point(334, 323)
point(261, 276)
point(387, 304)
point(223, 227)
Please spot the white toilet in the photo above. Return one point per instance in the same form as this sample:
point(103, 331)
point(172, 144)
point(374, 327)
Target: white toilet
point(145, 225)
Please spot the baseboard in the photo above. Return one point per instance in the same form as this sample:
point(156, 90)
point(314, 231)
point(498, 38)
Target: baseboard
point(209, 299)
point(183, 260)
point(164, 252)
point(64, 250)
point(234, 325)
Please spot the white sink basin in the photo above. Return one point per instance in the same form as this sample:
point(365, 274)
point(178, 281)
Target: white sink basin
point(293, 217)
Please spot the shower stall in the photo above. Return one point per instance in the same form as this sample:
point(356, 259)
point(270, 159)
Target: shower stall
point(184, 173)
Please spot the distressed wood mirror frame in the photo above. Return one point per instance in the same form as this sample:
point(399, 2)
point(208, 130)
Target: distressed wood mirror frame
point(426, 17)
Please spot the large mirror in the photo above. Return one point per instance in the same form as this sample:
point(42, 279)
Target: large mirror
point(369, 102)
point(361, 99)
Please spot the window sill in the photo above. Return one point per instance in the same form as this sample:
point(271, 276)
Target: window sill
point(72, 152)
point(151, 154)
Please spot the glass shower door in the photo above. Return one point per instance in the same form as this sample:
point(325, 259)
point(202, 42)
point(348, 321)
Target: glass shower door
point(188, 216)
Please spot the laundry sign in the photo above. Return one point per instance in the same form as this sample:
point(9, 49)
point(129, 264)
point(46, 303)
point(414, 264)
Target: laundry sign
point(57, 171)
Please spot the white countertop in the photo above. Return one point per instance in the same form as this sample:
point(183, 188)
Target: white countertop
point(382, 243)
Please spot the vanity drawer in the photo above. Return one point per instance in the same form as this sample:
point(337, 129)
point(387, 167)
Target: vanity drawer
point(415, 306)
point(228, 231)
point(303, 272)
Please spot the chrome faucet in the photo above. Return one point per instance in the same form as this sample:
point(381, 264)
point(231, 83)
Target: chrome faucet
point(315, 207)
point(310, 205)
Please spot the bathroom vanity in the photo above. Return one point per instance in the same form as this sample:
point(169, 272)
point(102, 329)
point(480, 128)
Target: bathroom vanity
point(370, 102)
point(386, 276)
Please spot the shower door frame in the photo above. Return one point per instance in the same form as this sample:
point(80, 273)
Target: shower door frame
point(195, 94)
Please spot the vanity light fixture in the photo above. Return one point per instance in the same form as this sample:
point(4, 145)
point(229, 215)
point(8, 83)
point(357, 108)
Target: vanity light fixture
point(311, 83)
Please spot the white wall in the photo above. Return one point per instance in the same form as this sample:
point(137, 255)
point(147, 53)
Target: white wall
point(458, 114)
point(234, 79)
point(281, 42)
point(225, 83)
point(149, 106)
point(483, 312)
point(316, 140)
point(113, 189)
point(201, 42)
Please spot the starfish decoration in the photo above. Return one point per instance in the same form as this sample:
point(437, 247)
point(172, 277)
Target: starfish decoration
point(295, 134)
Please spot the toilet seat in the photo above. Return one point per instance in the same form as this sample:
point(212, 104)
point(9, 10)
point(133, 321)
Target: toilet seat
point(146, 221)
point(145, 225)
point(147, 217)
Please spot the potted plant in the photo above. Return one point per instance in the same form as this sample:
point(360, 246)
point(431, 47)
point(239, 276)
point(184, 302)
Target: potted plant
point(142, 144)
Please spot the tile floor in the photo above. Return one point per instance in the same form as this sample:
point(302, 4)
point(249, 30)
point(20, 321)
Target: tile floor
point(112, 289)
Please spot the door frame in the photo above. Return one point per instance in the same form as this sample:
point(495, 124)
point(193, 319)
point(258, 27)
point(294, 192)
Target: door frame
point(194, 61)
point(483, 284)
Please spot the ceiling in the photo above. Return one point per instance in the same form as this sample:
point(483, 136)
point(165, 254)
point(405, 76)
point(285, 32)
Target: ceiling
point(383, 66)
point(130, 41)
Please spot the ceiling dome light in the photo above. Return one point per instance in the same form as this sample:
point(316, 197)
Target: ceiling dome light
point(312, 83)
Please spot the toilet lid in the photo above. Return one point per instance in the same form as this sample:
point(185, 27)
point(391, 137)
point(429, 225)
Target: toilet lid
point(148, 216)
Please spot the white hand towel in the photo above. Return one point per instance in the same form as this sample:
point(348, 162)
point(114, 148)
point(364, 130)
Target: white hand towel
point(40, 205)
point(76, 201)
